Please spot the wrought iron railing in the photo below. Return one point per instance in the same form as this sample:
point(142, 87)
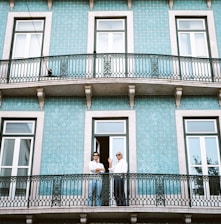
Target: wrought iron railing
point(140, 190)
point(87, 66)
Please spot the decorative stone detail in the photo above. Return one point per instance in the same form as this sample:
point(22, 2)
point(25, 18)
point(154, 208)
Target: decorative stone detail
point(83, 218)
point(40, 95)
point(209, 3)
point(11, 4)
point(131, 93)
point(178, 94)
point(129, 4)
point(29, 219)
point(49, 4)
point(133, 218)
point(171, 4)
point(91, 4)
point(188, 219)
point(88, 93)
point(219, 97)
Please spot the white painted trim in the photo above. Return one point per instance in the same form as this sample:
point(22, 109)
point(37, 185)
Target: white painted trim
point(91, 25)
point(131, 115)
point(194, 13)
point(38, 137)
point(31, 15)
point(180, 131)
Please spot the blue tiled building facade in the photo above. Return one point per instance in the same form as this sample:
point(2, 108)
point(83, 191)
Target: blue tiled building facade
point(159, 80)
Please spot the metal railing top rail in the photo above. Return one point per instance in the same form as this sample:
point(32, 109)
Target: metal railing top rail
point(139, 190)
point(114, 65)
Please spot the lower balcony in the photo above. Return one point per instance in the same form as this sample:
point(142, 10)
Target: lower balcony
point(158, 195)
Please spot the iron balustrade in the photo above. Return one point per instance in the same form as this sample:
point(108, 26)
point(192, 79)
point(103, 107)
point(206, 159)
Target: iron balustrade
point(140, 190)
point(87, 66)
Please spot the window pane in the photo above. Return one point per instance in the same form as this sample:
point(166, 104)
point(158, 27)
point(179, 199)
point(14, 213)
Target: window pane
point(200, 126)
point(5, 172)
point(118, 42)
point(31, 25)
point(185, 45)
point(110, 24)
point(213, 171)
point(194, 150)
point(200, 45)
point(110, 127)
point(22, 172)
point(191, 24)
point(19, 128)
point(19, 49)
point(8, 152)
point(211, 150)
point(35, 43)
point(24, 154)
point(102, 42)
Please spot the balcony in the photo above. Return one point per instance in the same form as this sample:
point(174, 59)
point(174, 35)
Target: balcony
point(110, 74)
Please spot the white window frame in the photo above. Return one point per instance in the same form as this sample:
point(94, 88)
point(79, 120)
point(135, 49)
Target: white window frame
point(37, 149)
point(180, 114)
point(32, 15)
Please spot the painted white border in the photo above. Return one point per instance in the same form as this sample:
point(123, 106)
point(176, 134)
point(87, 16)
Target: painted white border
point(91, 25)
point(131, 115)
point(193, 13)
point(31, 15)
point(180, 131)
point(38, 137)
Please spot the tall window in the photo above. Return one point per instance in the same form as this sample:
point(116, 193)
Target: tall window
point(16, 154)
point(203, 154)
point(193, 42)
point(27, 43)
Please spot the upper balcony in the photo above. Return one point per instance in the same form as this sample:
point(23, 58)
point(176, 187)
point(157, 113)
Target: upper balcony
point(110, 74)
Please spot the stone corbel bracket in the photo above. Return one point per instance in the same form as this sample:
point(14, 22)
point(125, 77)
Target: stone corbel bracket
point(49, 4)
point(219, 97)
point(83, 218)
point(91, 4)
point(209, 3)
point(41, 97)
point(129, 4)
point(178, 93)
point(171, 3)
point(187, 218)
point(131, 93)
point(11, 4)
point(88, 94)
point(133, 218)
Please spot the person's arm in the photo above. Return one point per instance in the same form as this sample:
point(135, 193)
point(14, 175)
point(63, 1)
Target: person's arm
point(91, 167)
point(111, 169)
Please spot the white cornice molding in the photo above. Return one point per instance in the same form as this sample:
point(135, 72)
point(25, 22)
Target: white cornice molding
point(88, 94)
point(178, 94)
point(50, 4)
point(91, 4)
point(171, 3)
point(11, 4)
point(131, 93)
point(41, 96)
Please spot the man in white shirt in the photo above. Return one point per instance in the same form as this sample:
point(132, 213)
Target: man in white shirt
point(95, 183)
point(120, 168)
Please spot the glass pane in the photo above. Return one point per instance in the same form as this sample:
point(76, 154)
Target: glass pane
point(191, 24)
point(213, 171)
point(214, 185)
point(200, 126)
point(8, 152)
point(185, 45)
point(30, 25)
point(211, 150)
point(117, 146)
point(110, 24)
point(19, 128)
point(19, 49)
point(24, 154)
point(22, 172)
point(194, 151)
point(35, 45)
point(102, 43)
point(117, 127)
point(118, 43)
point(21, 183)
point(6, 172)
point(200, 45)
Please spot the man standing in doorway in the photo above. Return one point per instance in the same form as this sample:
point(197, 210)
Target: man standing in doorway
point(95, 182)
point(119, 169)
